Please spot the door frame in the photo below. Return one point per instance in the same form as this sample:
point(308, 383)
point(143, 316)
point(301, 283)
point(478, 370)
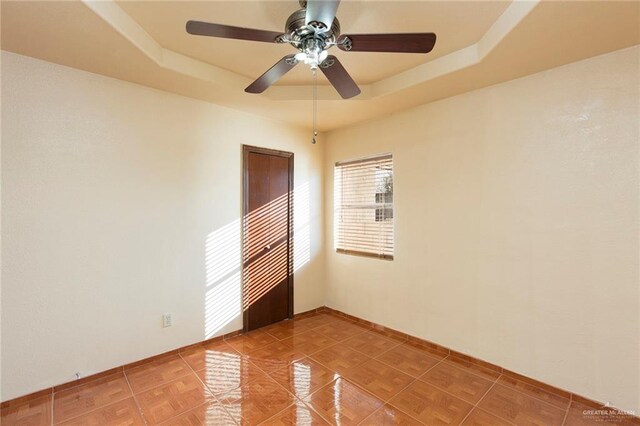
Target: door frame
point(246, 150)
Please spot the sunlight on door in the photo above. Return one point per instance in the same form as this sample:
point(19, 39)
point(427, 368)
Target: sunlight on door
point(266, 257)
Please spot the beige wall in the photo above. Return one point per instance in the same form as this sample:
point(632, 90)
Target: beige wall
point(516, 223)
point(516, 212)
point(121, 203)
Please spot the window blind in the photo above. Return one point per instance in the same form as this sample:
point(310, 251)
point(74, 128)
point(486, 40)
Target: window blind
point(363, 201)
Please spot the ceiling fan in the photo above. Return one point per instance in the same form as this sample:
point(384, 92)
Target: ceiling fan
point(312, 30)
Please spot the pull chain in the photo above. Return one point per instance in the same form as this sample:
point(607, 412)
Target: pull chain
point(315, 106)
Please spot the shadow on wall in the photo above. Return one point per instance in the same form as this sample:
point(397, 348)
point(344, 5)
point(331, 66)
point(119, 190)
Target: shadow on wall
point(223, 258)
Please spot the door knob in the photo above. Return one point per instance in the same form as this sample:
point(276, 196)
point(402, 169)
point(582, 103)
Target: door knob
point(267, 247)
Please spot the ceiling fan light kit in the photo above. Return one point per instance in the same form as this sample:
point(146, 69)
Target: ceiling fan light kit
point(312, 30)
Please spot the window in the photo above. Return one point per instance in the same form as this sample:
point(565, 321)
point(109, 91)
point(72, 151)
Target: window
point(363, 201)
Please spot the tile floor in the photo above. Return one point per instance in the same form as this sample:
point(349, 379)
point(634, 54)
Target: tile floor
point(312, 371)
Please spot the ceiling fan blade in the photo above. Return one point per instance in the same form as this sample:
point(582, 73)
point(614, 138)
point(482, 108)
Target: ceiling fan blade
point(339, 77)
point(320, 13)
point(272, 75)
point(401, 43)
point(227, 31)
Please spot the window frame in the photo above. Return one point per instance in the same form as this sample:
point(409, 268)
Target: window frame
point(338, 207)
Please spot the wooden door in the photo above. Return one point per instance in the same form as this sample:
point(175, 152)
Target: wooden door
point(267, 237)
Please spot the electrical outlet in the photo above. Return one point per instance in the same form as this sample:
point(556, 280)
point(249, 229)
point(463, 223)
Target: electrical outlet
point(166, 320)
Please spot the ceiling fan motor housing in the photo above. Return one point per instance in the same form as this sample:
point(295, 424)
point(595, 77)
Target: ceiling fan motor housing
point(298, 30)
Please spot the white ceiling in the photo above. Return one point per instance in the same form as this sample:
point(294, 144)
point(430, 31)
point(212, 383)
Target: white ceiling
point(479, 43)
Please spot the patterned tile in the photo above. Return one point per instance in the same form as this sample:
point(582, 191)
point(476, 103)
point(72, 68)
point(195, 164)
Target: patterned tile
point(371, 344)
point(380, 379)
point(285, 329)
point(173, 398)
point(389, 416)
point(431, 405)
point(479, 417)
point(157, 372)
point(251, 341)
point(297, 414)
point(340, 358)
point(211, 354)
point(209, 414)
point(343, 403)
point(340, 330)
point(222, 378)
point(340, 372)
point(275, 356)
point(310, 342)
point(549, 397)
point(434, 350)
point(519, 408)
point(34, 412)
point(317, 320)
point(82, 399)
point(124, 412)
point(458, 382)
point(474, 368)
point(409, 360)
point(304, 377)
point(256, 401)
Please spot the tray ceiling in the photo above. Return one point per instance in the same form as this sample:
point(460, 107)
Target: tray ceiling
point(479, 43)
point(457, 24)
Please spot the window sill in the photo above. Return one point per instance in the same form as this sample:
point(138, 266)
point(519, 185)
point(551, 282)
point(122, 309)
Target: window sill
point(365, 254)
